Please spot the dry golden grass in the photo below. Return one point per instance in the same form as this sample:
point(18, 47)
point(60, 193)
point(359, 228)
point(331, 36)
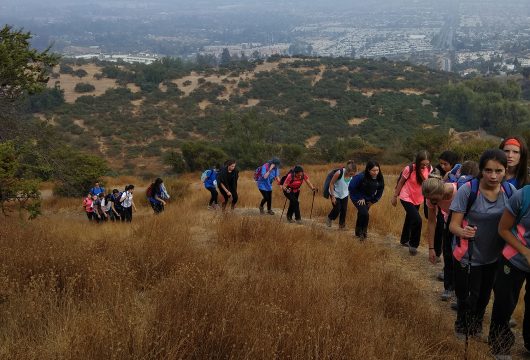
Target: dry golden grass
point(192, 283)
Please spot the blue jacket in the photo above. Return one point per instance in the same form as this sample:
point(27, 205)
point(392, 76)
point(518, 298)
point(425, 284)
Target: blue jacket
point(266, 184)
point(360, 189)
point(210, 181)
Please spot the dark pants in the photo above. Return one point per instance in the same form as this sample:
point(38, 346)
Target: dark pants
point(113, 216)
point(226, 197)
point(473, 294)
point(363, 217)
point(294, 205)
point(339, 210)
point(267, 198)
point(439, 233)
point(126, 214)
point(508, 283)
point(411, 232)
point(90, 216)
point(213, 197)
point(158, 207)
point(449, 273)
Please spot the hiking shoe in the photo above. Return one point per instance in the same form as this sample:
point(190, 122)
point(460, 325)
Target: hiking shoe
point(405, 244)
point(413, 251)
point(447, 295)
point(210, 207)
point(342, 226)
point(270, 212)
point(299, 221)
point(438, 260)
point(362, 237)
point(261, 210)
point(289, 220)
point(454, 306)
point(502, 357)
point(440, 276)
point(460, 336)
point(328, 222)
point(512, 323)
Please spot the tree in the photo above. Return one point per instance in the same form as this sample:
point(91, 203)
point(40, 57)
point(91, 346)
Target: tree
point(84, 88)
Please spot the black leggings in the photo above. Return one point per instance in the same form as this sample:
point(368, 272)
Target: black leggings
point(126, 214)
point(294, 205)
point(339, 210)
point(363, 216)
point(213, 197)
point(411, 232)
point(267, 198)
point(226, 197)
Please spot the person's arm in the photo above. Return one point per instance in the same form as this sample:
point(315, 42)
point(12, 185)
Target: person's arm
point(379, 193)
point(505, 231)
point(456, 227)
point(267, 173)
point(306, 179)
point(332, 186)
point(157, 197)
point(287, 181)
point(397, 191)
point(123, 196)
point(431, 229)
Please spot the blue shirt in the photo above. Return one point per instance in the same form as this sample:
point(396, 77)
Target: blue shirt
point(370, 190)
point(97, 190)
point(266, 184)
point(514, 182)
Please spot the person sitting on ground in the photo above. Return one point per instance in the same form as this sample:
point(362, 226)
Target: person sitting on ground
point(338, 193)
point(268, 173)
point(291, 189)
point(227, 183)
point(366, 189)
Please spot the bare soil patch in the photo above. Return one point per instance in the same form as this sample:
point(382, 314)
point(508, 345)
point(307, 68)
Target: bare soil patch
point(312, 141)
point(357, 121)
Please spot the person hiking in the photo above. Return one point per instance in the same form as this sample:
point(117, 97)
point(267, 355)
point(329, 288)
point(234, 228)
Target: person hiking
point(116, 205)
point(512, 272)
point(338, 193)
point(127, 203)
point(291, 190)
point(475, 214)
point(209, 179)
point(408, 190)
point(517, 153)
point(227, 183)
point(98, 207)
point(265, 176)
point(97, 189)
point(366, 189)
point(113, 215)
point(439, 195)
point(88, 205)
point(154, 195)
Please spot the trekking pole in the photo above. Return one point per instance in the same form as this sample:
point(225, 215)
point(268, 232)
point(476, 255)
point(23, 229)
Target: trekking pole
point(468, 291)
point(312, 202)
point(284, 204)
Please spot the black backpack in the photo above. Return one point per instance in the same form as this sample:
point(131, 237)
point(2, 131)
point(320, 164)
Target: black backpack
point(282, 180)
point(325, 190)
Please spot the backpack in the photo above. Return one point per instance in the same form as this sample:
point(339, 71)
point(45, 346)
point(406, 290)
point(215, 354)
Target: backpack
point(282, 180)
point(525, 205)
point(205, 175)
point(325, 190)
point(454, 174)
point(257, 172)
point(116, 200)
point(149, 191)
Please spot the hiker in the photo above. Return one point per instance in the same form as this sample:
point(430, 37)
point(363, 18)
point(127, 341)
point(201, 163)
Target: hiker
point(338, 193)
point(514, 269)
point(97, 189)
point(116, 205)
point(127, 203)
point(365, 189)
point(88, 205)
point(110, 210)
point(155, 196)
point(439, 195)
point(517, 153)
point(408, 190)
point(265, 176)
point(209, 179)
point(98, 208)
point(227, 183)
point(292, 182)
point(475, 214)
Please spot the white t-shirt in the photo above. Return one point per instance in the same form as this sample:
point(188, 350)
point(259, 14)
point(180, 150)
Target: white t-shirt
point(126, 199)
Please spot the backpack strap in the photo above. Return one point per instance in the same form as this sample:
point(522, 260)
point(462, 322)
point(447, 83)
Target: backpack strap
point(525, 204)
point(507, 188)
point(474, 184)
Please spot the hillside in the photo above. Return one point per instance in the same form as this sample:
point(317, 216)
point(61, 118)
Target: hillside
point(141, 112)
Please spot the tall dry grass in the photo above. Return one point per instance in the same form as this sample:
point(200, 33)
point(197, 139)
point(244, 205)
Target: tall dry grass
point(197, 284)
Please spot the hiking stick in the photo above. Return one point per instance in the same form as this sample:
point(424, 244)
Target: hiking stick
point(312, 203)
point(284, 204)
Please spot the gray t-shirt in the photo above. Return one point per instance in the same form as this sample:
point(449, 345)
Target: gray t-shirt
point(514, 206)
point(485, 215)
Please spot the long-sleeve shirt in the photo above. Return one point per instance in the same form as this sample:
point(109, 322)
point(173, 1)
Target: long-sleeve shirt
point(370, 189)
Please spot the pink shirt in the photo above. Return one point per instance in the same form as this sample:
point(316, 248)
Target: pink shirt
point(295, 184)
point(443, 204)
point(411, 190)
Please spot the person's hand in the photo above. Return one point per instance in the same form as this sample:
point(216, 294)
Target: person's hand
point(229, 194)
point(271, 167)
point(333, 200)
point(315, 190)
point(432, 256)
point(468, 232)
point(163, 202)
point(361, 202)
point(394, 201)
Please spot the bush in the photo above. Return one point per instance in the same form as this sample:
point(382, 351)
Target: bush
point(84, 88)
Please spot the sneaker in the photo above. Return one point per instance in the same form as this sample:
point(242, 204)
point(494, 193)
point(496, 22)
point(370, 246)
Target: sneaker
point(342, 226)
point(328, 222)
point(440, 276)
point(261, 210)
point(447, 295)
point(270, 212)
point(210, 207)
point(438, 260)
point(362, 237)
point(502, 357)
point(405, 244)
point(454, 306)
point(289, 220)
point(460, 336)
point(299, 221)
point(512, 323)
point(413, 251)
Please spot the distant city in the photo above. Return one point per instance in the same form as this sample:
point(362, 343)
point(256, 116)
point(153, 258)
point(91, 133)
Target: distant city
point(467, 37)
